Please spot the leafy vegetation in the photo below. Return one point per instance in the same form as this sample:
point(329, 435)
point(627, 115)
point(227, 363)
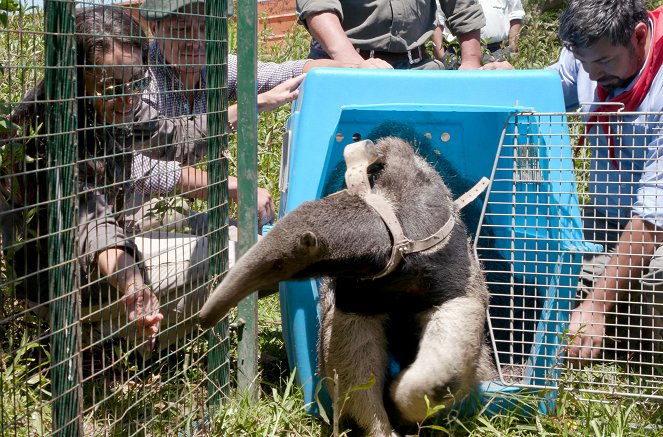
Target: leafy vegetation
point(579, 413)
point(24, 361)
point(169, 397)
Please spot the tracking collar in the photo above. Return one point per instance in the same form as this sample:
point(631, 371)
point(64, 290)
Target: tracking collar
point(358, 157)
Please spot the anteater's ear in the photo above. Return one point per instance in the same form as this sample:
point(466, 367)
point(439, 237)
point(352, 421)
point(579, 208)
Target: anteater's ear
point(308, 244)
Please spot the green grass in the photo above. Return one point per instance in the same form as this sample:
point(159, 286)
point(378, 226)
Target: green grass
point(24, 360)
point(170, 398)
point(578, 413)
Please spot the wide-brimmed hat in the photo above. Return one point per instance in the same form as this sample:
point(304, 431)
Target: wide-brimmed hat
point(158, 9)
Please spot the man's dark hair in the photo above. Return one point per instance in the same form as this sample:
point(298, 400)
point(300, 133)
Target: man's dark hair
point(98, 30)
point(584, 22)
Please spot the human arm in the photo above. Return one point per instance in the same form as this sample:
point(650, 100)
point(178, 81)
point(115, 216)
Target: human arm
point(271, 75)
point(182, 139)
point(142, 305)
point(279, 95)
point(470, 50)
point(465, 19)
point(326, 28)
point(268, 74)
point(107, 252)
point(515, 15)
point(514, 33)
point(193, 184)
point(266, 207)
point(634, 250)
point(155, 177)
point(438, 43)
point(641, 237)
point(232, 117)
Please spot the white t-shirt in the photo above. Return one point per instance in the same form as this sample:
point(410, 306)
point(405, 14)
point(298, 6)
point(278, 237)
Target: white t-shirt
point(499, 14)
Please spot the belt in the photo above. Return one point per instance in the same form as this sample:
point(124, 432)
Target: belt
point(412, 56)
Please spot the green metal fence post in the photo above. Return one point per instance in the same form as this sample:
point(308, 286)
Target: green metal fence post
point(247, 170)
point(60, 80)
point(217, 119)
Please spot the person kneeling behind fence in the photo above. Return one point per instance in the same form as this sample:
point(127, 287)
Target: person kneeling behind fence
point(140, 287)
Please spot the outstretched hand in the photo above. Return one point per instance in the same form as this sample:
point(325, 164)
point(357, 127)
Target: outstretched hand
point(143, 311)
point(266, 207)
point(498, 65)
point(280, 95)
point(587, 331)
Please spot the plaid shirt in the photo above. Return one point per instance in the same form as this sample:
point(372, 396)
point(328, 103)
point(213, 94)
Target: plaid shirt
point(269, 74)
point(154, 177)
point(165, 89)
point(165, 94)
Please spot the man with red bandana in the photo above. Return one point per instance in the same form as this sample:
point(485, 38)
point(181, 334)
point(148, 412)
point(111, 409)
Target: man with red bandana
point(612, 57)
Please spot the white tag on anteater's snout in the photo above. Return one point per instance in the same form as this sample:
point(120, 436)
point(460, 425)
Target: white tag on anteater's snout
point(358, 157)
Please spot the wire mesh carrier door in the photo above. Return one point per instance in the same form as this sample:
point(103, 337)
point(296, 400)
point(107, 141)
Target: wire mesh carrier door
point(563, 189)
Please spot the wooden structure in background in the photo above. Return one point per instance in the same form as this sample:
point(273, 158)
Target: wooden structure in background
point(132, 4)
point(277, 15)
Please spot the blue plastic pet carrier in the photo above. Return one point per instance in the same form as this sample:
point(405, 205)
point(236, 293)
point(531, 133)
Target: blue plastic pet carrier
point(527, 227)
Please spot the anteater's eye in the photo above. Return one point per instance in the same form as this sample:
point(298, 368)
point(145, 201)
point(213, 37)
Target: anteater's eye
point(375, 168)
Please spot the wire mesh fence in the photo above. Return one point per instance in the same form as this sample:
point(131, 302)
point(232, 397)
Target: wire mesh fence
point(570, 244)
point(113, 210)
point(114, 203)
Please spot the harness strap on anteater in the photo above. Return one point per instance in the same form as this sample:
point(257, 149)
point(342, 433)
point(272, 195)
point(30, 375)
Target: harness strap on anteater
point(359, 157)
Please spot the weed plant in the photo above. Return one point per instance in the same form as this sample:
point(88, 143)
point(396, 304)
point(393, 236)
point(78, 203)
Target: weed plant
point(579, 413)
point(170, 398)
point(25, 407)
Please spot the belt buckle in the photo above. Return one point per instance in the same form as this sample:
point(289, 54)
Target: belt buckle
point(415, 60)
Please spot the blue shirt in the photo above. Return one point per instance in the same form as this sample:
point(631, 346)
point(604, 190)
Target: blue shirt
point(637, 185)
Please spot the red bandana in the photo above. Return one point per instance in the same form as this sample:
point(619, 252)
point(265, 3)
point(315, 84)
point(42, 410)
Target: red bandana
point(633, 97)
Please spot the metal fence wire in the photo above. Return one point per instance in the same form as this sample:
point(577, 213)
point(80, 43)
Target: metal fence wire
point(114, 206)
point(563, 190)
point(113, 212)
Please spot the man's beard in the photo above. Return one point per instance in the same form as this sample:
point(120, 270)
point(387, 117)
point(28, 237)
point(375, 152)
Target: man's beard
point(611, 83)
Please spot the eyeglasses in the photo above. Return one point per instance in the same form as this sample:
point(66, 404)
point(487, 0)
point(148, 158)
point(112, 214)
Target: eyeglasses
point(123, 89)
